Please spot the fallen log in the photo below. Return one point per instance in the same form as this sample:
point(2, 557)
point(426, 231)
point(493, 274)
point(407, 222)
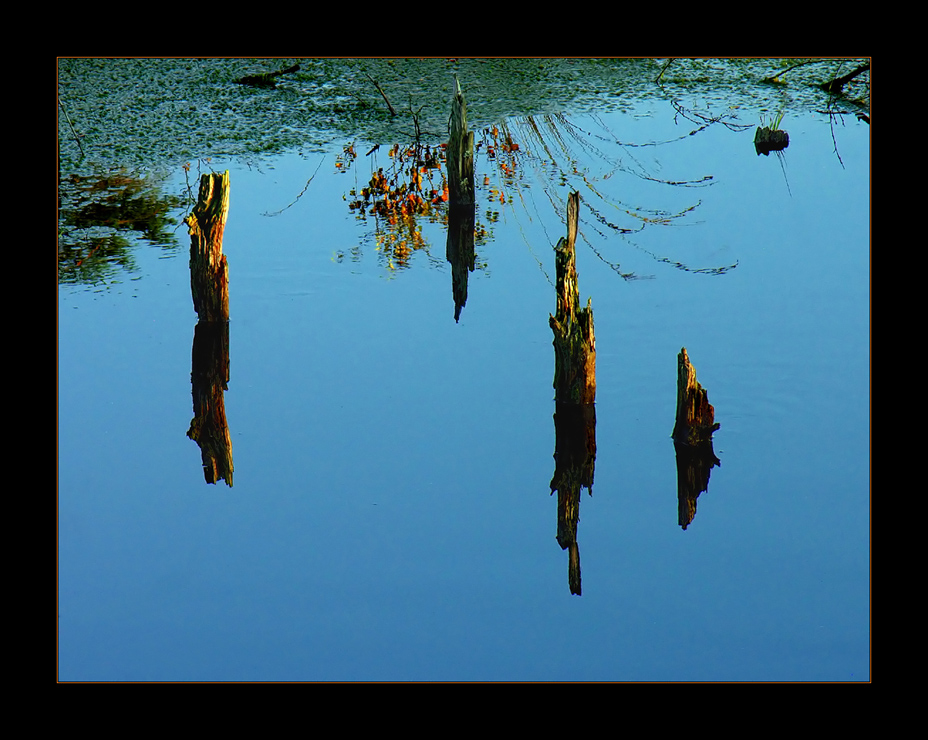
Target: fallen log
point(836, 85)
point(267, 79)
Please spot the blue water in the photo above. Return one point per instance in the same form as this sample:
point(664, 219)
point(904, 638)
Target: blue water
point(391, 516)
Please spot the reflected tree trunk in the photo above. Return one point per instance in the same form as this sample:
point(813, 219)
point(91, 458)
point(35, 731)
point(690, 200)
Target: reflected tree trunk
point(210, 379)
point(574, 468)
point(459, 251)
point(694, 464)
point(461, 200)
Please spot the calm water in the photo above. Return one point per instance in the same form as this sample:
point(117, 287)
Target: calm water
point(391, 516)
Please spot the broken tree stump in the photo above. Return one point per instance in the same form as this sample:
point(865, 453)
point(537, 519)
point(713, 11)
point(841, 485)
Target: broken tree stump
point(461, 199)
point(209, 271)
point(692, 439)
point(460, 153)
point(574, 340)
point(695, 421)
point(768, 140)
point(575, 394)
point(209, 287)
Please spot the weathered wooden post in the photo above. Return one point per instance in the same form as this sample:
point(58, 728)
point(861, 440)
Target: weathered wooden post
point(574, 340)
point(695, 420)
point(460, 153)
point(209, 271)
point(209, 287)
point(575, 395)
point(461, 200)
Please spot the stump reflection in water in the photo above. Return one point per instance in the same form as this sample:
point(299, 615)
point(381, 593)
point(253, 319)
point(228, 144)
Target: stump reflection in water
point(575, 395)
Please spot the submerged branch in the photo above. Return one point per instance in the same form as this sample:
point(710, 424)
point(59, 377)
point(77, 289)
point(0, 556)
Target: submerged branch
point(302, 192)
point(70, 126)
point(835, 85)
point(382, 94)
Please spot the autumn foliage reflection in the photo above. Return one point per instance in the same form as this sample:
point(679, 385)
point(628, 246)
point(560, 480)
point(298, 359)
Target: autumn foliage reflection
point(411, 190)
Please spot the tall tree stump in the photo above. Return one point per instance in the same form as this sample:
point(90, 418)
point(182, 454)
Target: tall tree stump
point(460, 153)
point(209, 271)
point(695, 420)
point(575, 394)
point(574, 340)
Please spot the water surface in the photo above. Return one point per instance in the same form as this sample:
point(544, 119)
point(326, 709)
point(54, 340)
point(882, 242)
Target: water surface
point(391, 515)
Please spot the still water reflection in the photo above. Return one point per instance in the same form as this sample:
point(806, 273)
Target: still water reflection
point(390, 418)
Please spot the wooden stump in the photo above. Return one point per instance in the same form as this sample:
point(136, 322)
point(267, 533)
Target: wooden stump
point(209, 271)
point(692, 439)
point(574, 339)
point(575, 394)
point(460, 153)
point(695, 421)
point(768, 140)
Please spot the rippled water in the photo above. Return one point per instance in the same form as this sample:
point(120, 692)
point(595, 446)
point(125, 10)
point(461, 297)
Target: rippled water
point(391, 515)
